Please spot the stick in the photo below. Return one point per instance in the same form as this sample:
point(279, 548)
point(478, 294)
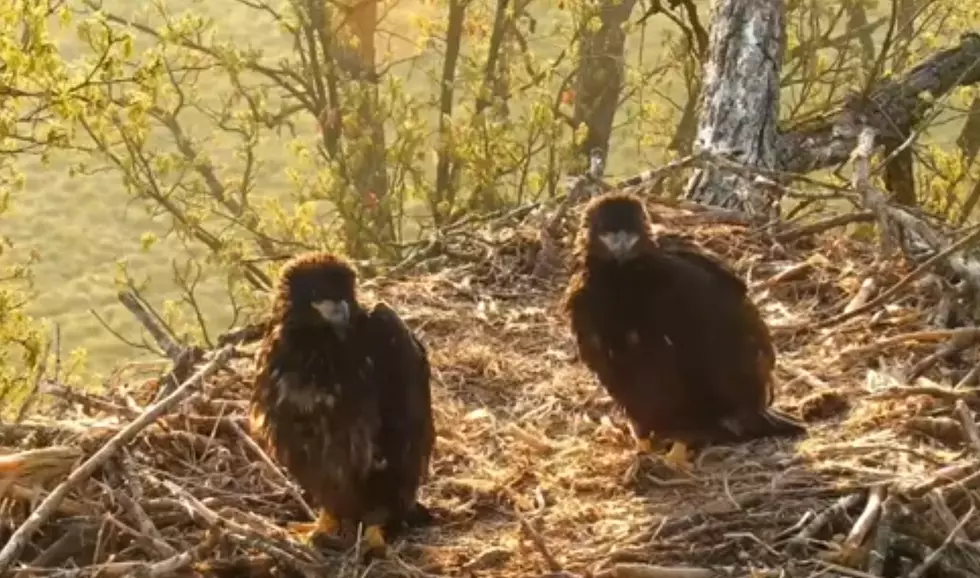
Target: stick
point(151, 322)
point(904, 281)
point(866, 520)
point(539, 544)
point(882, 539)
point(785, 275)
point(868, 287)
point(257, 449)
point(953, 474)
point(969, 425)
point(19, 538)
point(171, 565)
point(934, 556)
point(143, 521)
point(42, 368)
point(960, 537)
point(969, 378)
point(960, 335)
point(958, 343)
point(811, 529)
point(945, 514)
point(283, 552)
point(650, 571)
point(823, 225)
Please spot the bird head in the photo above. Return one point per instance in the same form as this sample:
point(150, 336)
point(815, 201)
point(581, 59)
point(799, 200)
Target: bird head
point(616, 225)
point(319, 289)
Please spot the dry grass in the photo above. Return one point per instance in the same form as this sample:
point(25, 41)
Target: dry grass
point(535, 470)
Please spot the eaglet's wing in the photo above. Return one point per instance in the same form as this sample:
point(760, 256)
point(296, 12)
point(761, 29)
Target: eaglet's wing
point(407, 428)
point(582, 312)
point(749, 320)
point(683, 248)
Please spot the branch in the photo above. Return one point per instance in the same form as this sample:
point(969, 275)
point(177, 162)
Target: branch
point(890, 104)
point(148, 319)
point(50, 504)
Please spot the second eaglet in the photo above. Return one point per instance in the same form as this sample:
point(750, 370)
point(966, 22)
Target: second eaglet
point(671, 333)
point(342, 400)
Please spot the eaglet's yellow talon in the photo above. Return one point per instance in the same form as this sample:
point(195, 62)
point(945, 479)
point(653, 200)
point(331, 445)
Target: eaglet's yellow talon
point(324, 524)
point(374, 538)
point(677, 457)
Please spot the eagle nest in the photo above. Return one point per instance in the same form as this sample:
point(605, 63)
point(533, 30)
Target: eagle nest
point(535, 471)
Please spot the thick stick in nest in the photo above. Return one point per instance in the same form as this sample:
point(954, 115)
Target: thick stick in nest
point(50, 504)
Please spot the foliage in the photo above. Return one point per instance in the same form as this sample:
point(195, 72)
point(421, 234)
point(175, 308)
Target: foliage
point(369, 127)
point(33, 81)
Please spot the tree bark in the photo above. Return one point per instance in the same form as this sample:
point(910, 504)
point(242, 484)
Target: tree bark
point(599, 78)
point(740, 102)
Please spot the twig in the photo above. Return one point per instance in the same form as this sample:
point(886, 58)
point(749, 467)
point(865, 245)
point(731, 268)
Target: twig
point(149, 320)
point(960, 334)
point(956, 344)
point(950, 475)
point(650, 571)
point(178, 561)
point(88, 401)
point(969, 425)
point(882, 539)
point(821, 226)
point(868, 287)
point(242, 335)
point(143, 521)
point(800, 374)
point(539, 544)
point(824, 518)
point(960, 536)
point(283, 552)
point(42, 366)
point(785, 275)
point(865, 521)
point(969, 378)
point(257, 449)
point(67, 506)
point(904, 281)
point(20, 537)
point(935, 499)
point(936, 554)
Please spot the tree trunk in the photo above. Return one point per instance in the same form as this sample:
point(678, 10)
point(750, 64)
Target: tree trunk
point(367, 165)
point(740, 102)
point(906, 12)
point(857, 22)
point(599, 78)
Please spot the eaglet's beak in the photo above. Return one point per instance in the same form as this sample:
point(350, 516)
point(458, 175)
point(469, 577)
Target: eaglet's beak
point(619, 243)
point(336, 313)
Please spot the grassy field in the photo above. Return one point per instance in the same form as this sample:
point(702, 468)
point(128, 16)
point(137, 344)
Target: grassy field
point(82, 226)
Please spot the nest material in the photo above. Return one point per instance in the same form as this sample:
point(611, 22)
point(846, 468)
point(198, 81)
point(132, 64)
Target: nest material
point(535, 470)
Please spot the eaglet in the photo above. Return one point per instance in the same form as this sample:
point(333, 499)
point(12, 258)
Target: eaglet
point(671, 333)
point(341, 399)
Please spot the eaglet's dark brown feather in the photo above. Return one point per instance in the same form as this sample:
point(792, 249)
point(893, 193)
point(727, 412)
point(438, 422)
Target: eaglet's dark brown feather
point(341, 399)
point(670, 332)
